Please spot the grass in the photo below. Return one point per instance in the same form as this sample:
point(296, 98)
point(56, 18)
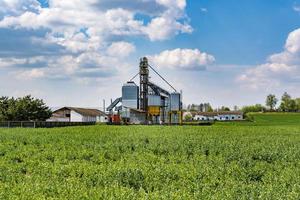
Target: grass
point(224, 161)
point(267, 119)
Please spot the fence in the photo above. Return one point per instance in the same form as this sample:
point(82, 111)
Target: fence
point(29, 124)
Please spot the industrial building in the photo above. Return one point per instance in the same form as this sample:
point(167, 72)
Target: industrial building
point(146, 102)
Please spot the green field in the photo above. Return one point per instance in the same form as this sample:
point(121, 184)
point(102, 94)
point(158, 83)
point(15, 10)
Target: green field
point(259, 160)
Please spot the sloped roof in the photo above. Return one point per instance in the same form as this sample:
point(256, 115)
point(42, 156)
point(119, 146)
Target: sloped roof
point(85, 111)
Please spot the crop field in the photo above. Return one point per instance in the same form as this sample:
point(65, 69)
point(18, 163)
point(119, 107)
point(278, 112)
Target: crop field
point(257, 160)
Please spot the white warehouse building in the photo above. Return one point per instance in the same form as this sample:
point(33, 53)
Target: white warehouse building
point(218, 116)
point(72, 114)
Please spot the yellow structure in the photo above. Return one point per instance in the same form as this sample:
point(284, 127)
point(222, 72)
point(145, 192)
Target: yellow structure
point(154, 110)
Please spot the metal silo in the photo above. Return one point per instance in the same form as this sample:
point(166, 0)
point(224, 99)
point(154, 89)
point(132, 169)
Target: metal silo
point(154, 100)
point(175, 112)
point(154, 104)
point(130, 95)
point(175, 102)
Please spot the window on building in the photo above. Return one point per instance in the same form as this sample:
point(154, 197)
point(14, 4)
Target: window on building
point(68, 115)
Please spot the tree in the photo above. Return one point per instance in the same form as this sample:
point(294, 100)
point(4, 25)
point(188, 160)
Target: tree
point(287, 104)
point(285, 100)
point(297, 101)
point(236, 108)
point(188, 117)
point(293, 105)
point(208, 108)
point(203, 107)
point(224, 108)
point(193, 108)
point(23, 109)
point(5, 103)
point(271, 101)
point(253, 108)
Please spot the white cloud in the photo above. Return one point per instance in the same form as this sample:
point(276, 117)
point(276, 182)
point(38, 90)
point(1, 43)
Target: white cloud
point(122, 49)
point(162, 28)
point(8, 62)
point(30, 74)
point(16, 7)
point(204, 10)
point(192, 59)
point(281, 67)
point(296, 8)
point(70, 16)
point(181, 4)
point(92, 37)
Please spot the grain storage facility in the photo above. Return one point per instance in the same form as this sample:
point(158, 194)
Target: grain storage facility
point(147, 103)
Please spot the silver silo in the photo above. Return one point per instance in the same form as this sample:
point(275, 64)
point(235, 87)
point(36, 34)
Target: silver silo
point(175, 102)
point(154, 100)
point(130, 95)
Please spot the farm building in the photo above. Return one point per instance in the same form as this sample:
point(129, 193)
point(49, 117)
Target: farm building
point(133, 116)
point(218, 116)
point(72, 114)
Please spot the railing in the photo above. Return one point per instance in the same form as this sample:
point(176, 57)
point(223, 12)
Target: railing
point(33, 124)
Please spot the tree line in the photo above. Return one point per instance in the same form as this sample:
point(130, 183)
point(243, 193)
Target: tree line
point(23, 109)
point(206, 107)
point(203, 107)
point(286, 104)
point(272, 104)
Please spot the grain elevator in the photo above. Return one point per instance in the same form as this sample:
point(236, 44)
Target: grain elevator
point(146, 102)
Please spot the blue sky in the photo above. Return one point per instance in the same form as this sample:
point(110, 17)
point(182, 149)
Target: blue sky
point(76, 53)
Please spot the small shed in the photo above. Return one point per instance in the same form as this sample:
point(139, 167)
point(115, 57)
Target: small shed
point(74, 114)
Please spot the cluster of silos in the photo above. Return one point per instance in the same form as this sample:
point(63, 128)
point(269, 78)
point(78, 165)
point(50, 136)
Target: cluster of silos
point(163, 109)
point(160, 109)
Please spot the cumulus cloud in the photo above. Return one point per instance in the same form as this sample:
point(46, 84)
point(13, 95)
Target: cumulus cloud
point(16, 7)
point(91, 34)
point(70, 16)
point(280, 67)
point(191, 59)
point(122, 49)
point(83, 66)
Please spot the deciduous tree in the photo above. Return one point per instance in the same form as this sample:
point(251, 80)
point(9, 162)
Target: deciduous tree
point(23, 109)
point(271, 101)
